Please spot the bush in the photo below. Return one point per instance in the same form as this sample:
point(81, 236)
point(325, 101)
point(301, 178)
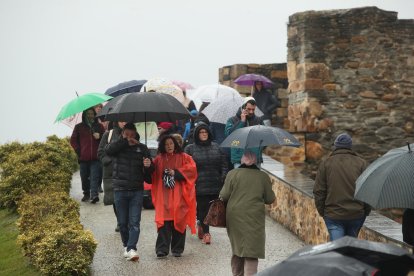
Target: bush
point(36, 166)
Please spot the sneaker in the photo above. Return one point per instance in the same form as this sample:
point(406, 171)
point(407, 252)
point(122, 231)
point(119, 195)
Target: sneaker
point(117, 228)
point(207, 238)
point(132, 255)
point(200, 232)
point(176, 254)
point(85, 198)
point(94, 200)
point(125, 252)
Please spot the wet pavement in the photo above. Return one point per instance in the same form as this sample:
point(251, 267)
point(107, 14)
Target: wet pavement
point(197, 259)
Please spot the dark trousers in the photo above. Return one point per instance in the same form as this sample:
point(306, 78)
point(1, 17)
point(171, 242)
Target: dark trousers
point(91, 177)
point(167, 235)
point(408, 226)
point(203, 204)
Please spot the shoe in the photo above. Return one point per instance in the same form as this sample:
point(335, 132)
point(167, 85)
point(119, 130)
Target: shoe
point(94, 200)
point(125, 252)
point(176, 254)
point(161, 255)
point(132, 255)
point(117, 228)
point(85, 198)
point(200, 232)
point(207, 238)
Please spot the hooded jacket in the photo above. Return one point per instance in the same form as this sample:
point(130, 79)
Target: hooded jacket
point(335, 186)
point(83, 142)
point(266, 102)
point(210, 161)
point(235, 123)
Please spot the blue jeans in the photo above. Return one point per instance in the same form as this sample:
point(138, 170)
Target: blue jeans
point(91, 177)
point(128, 207)
point(339, 228)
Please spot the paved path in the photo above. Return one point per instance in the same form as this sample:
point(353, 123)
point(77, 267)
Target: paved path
point(197, 259)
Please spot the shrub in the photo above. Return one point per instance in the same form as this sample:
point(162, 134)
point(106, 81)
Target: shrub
point(7, 149)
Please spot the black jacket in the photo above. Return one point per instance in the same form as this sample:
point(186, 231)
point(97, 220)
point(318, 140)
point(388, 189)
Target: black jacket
point(105, 159)
point(266, 102)
point(128, 168)
point(210, 161)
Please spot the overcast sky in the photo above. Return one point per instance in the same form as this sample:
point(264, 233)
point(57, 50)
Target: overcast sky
point(51, 48)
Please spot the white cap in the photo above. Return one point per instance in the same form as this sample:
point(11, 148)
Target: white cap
point(246, 99)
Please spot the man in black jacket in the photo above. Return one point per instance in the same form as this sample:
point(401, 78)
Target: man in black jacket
point(131, 165)
point(266, 102)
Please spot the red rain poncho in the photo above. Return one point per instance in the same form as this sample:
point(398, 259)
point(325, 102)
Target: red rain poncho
point(179, 203)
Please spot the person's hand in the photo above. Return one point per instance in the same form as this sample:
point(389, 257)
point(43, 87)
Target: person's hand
point(243, 115)
point(96, 135)
point(147, 162)
point(132, 141)
point(171, 172)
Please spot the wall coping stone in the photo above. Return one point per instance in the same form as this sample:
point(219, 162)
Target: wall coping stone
point(379, 224)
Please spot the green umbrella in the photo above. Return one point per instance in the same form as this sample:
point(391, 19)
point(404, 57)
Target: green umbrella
point(80, 104)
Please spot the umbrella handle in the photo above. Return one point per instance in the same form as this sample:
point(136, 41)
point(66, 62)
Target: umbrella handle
point(408, 145)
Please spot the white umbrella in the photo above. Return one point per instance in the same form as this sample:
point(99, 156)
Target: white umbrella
point(208, 93)
point(154, 83)
point(221, 109)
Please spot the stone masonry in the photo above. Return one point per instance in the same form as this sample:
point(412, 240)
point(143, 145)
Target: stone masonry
point(351, 70)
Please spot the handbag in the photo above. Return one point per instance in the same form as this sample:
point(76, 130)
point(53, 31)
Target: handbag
point(216, 215)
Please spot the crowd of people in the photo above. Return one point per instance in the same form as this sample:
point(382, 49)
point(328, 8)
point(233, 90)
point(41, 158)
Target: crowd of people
point(190, 170)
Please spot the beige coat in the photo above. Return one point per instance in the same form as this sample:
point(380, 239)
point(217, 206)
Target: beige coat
point(246, 191)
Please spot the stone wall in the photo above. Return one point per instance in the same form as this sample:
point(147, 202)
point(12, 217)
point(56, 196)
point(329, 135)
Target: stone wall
point(351, 70)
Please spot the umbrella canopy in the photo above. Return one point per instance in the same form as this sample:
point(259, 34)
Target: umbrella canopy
point(221, 109)
point(125, 87)
point(385, 256)
point(389, 181)
point(142, 107)
point(154, 83)
point(80, 104)
point(259, 136)
point(183, 85)
point(250, 79)
point(172, 90)
point(330, 263)
point(207, 93)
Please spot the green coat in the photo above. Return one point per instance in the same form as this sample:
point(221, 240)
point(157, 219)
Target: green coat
point(246, 191)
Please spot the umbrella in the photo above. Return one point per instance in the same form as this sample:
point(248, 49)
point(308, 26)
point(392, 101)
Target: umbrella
point(250, 79)
point(259, 136)
point(183, 85)
point(125, 87)
point(172, 90)
point(80, 104)
point(154, 83)
point(221, 109)
point(389, 181)
point(207, 93)
point(329, 263)
point(143, 107)
point(73, 120)
point(385, 256)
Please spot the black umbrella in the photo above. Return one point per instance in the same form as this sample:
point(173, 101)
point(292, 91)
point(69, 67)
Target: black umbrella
point(125, 87)
point(389, 181)
point(386, 257)
point(259, 136)
point(143, 107)
point(329, 263)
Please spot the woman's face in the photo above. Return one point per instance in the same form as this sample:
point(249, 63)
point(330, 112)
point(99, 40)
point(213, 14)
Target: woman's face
point(169, 145)
point(203, 135)
point(121, 124)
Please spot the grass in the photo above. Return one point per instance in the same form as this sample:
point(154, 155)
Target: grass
point(12, 261)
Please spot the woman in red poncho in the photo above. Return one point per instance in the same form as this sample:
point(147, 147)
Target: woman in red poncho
point(173, 195)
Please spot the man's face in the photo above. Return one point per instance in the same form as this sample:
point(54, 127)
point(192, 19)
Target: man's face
point(259, 85)
point(90, 115)
point(129, 133)
point(250, 108)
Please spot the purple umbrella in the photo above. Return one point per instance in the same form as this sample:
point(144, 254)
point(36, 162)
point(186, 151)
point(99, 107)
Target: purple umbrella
point(250, 79)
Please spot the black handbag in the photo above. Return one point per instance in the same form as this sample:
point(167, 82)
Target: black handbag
point(216, 215)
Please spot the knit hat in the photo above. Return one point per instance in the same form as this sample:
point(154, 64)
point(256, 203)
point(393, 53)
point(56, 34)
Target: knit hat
point(343, 141)
point(194, 112)
point(248, 99)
